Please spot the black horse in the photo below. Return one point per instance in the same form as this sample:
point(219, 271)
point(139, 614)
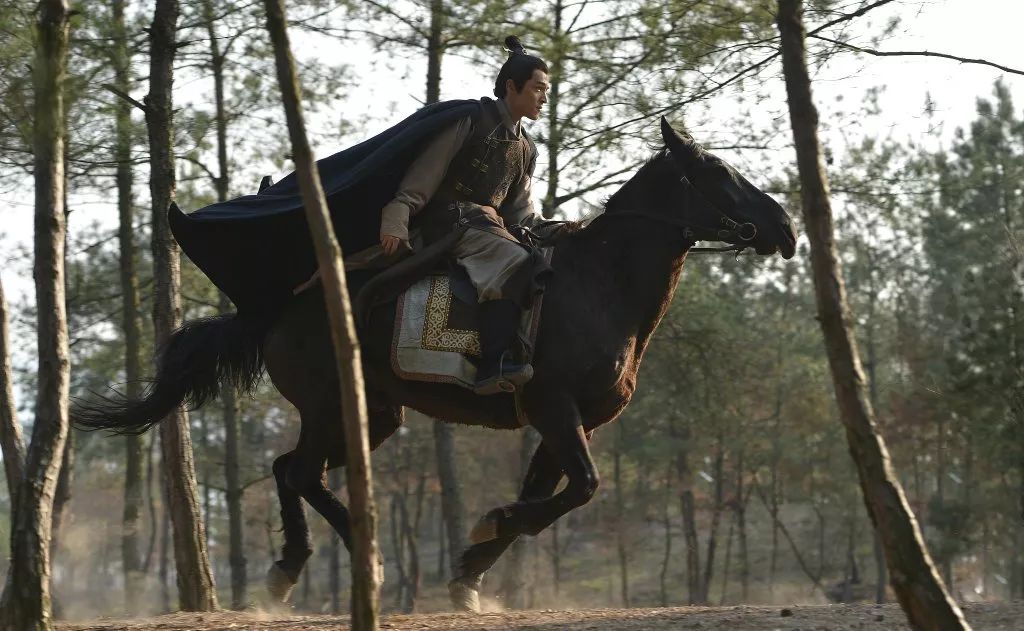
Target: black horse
point(612, 282)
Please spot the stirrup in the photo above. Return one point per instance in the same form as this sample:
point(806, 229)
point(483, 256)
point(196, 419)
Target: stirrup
point(504, 381)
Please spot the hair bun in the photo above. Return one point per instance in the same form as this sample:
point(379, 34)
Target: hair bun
point(513, 45)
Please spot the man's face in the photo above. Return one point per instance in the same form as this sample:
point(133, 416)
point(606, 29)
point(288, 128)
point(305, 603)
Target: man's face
point(528, 101)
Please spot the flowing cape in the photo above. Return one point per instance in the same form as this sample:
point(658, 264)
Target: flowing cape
point(257, 248)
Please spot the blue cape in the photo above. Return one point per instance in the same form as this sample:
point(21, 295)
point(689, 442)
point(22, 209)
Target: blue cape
point(257, 248)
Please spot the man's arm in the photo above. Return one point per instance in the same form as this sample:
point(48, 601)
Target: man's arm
point(420, 183)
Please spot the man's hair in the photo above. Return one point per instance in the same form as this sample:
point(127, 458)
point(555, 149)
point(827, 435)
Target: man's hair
point(519, 67)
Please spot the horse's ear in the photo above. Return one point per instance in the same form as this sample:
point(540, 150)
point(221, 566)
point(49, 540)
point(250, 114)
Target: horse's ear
point(682, 146)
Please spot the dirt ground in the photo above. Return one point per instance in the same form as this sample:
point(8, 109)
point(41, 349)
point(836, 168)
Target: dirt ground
point(987, 616)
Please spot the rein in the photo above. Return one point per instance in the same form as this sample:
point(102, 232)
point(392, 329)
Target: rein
point(733, 230)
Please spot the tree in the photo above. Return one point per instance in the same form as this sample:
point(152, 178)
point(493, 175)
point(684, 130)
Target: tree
point(913, 576)
point(365, 579)
point(131, 324)
point(12, 445)
point(25, 603)
point(195, 580)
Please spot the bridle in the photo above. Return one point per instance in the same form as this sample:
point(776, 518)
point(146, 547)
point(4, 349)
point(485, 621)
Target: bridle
point(729, 229)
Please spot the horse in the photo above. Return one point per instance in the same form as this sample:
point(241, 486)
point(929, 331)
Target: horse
point(612, 283)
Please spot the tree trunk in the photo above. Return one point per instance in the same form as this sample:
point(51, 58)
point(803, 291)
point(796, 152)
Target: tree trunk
point(402, 580)
point(726, 565)
point(435, 51)
point(195, 580)
point(11, 441)
point(61, 500)
point(554, 140)
point(233, 494)
point(334, 564)
point(131, 324)
point(742, 497)
point(913, 576)
point(26, 601)
point(716, 515)
point(556, 559)
point(228, 396)
point(365, 579)
point(451, 493)
point(620, 519)
point(164, 568)
point(666, 520)
point(514, 580)
point(444, 434)
point(688, 514)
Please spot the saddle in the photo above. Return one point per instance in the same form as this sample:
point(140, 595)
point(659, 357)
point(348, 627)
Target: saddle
point(435, 336)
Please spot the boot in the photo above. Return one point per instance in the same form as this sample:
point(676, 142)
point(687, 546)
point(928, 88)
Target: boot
point(499, 326)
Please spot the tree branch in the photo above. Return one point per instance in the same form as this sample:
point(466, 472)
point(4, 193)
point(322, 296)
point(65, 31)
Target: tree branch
point(124, 95)
point(917, 53)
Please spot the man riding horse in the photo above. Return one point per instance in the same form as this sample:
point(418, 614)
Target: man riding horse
point(611, 282)
point(478, 172)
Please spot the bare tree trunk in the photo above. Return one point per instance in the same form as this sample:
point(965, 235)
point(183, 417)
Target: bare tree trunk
point(554, 139)
point(687, 511)
point(435, 51)
point(11, 441)
point(61, 500)
point(365, 579)
point(334, 564)
point(26, 601)
point(666, 521)
point(451, 493)
point(514, 580)
point(131, 324)
point(402, 581)
point(151, 481)
point(556, 559)
point(413, 577)
point(195, 580)
point(203, 469)
point(164, 569)
point(441, 530)
point(689, 516)
point(233, 494)
point(913, 576)
point(716, 515)
point(228, 396)
point(726, 564)
point(620, 519)
point(742, 497)
point(444, 434)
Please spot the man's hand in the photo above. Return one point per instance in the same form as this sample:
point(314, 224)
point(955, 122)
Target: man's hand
point(390, 243)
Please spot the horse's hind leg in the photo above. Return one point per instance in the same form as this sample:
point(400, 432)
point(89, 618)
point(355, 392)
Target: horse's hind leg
point(383, 422)
point(303, 473)
point(541, 480)
point(298, 546)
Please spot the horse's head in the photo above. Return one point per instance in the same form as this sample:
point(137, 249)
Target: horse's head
point(738, 211)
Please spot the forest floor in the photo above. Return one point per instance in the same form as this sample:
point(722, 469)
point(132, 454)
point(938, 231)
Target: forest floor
point(987, 616)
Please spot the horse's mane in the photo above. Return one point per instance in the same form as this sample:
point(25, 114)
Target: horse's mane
point(574, 228)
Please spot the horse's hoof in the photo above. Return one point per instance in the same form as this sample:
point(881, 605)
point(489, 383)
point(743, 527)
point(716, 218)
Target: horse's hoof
point(464, 597)
point(485, 530)
point(279, 584)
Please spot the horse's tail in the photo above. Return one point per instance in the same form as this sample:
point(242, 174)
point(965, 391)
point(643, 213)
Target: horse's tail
point(193, 363)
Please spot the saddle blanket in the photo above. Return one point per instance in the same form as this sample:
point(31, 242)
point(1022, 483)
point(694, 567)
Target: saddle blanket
point(436, 338)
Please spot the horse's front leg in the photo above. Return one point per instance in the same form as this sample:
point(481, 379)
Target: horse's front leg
point(558, 421)
point(541, 480)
